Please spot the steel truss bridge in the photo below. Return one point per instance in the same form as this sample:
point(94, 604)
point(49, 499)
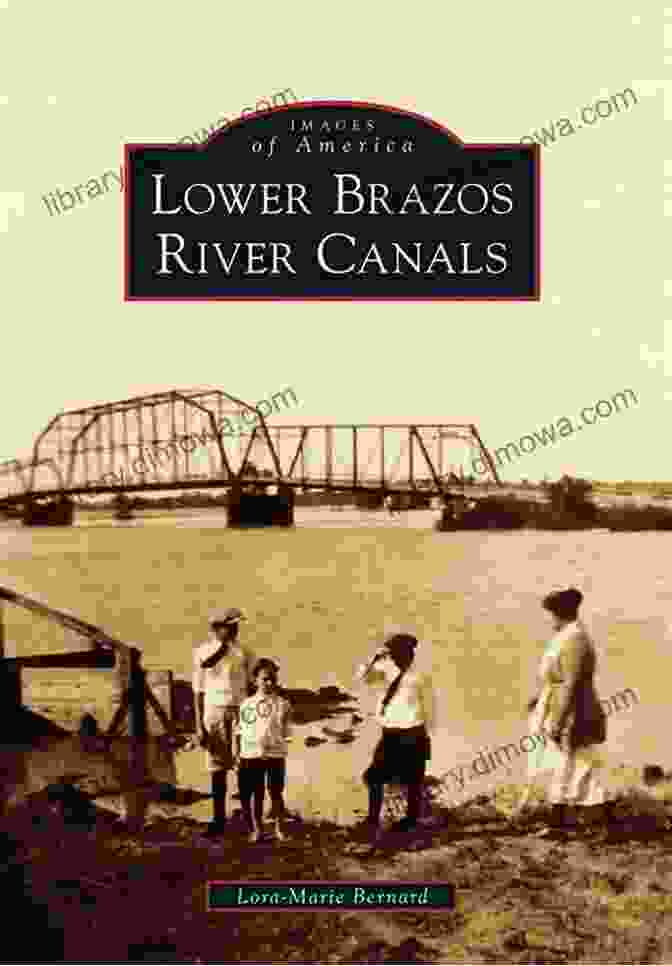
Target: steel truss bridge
point(207, 438)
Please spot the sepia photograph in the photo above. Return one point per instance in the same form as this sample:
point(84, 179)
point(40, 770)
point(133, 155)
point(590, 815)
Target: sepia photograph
point(335, 621)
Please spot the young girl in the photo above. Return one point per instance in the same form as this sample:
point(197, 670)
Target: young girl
point(406, 714)
point(263, 729)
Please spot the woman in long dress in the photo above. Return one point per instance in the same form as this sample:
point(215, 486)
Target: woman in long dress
point(567, 714)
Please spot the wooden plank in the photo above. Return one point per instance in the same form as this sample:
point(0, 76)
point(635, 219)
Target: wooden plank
point(81, 684)
point(122, 690)
point(137, 710)
point(60, 616)
point(129, 689)
point(64, 695)
point(160, 683)
point(96, 658)
point(10, 690)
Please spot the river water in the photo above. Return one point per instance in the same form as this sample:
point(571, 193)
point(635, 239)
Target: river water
point(322, 595)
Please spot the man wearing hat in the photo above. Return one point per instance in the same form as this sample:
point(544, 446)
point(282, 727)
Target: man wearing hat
point(406, 714)
point(222, 675)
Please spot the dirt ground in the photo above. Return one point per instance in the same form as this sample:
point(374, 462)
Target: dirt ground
point(84, 887)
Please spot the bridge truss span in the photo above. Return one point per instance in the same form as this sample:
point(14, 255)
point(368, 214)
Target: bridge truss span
point(208, 438)
point(389, 457)
point(164, 438)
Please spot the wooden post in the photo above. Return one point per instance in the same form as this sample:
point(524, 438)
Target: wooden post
point(132, 685)
point(10, 679)
point(137, 708)
point(4, 670)
point(3, 696)
point(123, 674)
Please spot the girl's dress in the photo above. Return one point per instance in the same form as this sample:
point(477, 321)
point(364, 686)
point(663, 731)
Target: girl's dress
point(573, 779)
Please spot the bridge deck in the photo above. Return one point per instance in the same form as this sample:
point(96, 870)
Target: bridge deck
point(191, 439)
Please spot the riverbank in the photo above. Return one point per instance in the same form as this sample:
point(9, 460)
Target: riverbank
point(98, 893)
point(567, 504)
point(515, 513)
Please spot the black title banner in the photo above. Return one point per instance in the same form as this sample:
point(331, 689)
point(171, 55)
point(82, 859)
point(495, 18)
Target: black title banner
point(324, 200)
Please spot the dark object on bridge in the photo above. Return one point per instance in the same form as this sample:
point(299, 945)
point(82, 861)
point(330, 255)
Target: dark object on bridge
point(49, 513)
point(370, 499)
point(122, 507)
point(261, 509)
point(413, 500)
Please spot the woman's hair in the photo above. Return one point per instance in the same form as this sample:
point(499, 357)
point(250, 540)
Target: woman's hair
point(563, 603)
point(265, 664)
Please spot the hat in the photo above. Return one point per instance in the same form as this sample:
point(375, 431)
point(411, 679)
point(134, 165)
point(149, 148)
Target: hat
point(227, 617)
point(563, 603)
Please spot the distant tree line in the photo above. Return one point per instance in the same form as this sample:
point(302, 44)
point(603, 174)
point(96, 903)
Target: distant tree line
point(568, 505)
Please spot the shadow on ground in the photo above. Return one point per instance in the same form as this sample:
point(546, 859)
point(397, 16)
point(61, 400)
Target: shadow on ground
point(77, 873)
point(310, 706)
point(307, 706)
point(26, 726)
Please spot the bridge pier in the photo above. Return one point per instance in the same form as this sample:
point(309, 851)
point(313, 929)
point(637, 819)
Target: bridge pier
point(370, 499)
point(122, 508)
point(48, 513)
point(413, 500)
point(247, 509)
point(183, 439)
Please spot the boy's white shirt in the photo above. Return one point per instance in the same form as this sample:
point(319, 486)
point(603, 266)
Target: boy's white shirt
point(224, 684)
point(264, 737)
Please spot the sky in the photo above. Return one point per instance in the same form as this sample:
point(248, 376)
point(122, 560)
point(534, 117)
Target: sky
point(488, 72)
